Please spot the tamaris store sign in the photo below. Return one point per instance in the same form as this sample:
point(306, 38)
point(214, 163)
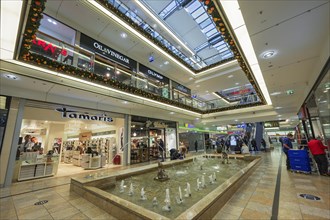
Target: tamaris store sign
point(48, 47)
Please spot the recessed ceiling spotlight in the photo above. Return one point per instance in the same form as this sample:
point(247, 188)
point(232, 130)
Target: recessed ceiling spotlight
point(154, 25)
point(230, 76)
point(198, 86)
point(118, 72)
point(236, 120)
point(54, 22)
point(12, 77)
point(278, 107)
point(172, 113)
point(46, 121)
point(191, 78)
point(236, 84)
point(268, 54)
point(123, 35)
point(108, 74)
point(125, 102)
point(166, 62)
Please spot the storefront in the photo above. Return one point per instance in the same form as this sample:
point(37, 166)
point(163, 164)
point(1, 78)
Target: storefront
point(151, 139)
point(57, 140)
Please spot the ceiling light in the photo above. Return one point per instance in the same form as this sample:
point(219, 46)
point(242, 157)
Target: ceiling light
point(134, 134)
point(166, 62)
point(141, 128)
point(172, 113)
point(99, 86)
point(123, 35)
point(54, 22)
point(125, 102)
point(10, 19)
point(108, 74)
point(198, 86)
point(118, 72)
point(278, 107)
point(154, 25)
point(275, 93)
point(12, 77)
point(268, 54)
point(46, 121)
point(49, 20)
point(236, 84)
point(279, 115)
point(236, 120)
point(230, 76)
point(234, 14)
point(197, 118)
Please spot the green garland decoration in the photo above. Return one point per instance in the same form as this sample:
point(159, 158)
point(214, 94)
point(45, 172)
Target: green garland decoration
point(32, 25)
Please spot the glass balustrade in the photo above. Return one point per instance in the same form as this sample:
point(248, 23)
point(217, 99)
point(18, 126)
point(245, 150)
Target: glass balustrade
point(75, 56)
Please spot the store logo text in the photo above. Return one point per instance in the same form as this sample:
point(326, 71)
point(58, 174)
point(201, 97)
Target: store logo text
point(111, 53)
point(83, 115)
point(49, 46)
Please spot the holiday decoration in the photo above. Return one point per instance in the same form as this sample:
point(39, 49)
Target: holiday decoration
point(32, 26)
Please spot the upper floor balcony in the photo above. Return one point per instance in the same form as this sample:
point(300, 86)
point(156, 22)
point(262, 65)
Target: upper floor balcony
point(51, 44)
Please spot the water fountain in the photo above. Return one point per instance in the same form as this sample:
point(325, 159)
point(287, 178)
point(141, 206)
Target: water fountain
point(167, 206)
point(131, 190)
point(188, 192)
point(107, 191)
point(161, 175)
point(143, 194)
point(122, 186)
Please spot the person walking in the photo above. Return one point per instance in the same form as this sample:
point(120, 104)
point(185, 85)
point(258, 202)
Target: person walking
point(196, 146)
point(287, 145)
point(318, 151)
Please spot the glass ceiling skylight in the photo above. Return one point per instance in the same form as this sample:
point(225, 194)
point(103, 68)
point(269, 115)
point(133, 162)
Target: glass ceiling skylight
point(136, 19)
point(207, 26)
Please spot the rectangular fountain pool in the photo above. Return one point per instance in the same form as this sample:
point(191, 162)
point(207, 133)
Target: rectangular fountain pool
point(211, 183)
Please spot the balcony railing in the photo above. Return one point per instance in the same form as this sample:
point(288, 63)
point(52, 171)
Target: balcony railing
point(89, 62)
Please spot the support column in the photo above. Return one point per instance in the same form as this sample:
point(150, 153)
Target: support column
point(127, 140)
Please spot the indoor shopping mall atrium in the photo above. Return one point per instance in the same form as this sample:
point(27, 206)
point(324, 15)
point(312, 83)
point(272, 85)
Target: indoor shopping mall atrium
point(165, 109)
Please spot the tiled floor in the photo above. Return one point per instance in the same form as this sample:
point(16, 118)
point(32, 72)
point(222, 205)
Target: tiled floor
point(254, 200)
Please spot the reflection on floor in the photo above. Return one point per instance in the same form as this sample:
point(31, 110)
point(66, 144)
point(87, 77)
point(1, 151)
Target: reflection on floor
point(254, 200)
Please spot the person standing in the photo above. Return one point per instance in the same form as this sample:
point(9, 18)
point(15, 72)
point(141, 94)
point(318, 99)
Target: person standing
point(161, 149)
point(287, 145)
point(196, 146)
point(254, 145)
point(318, 151)
point(27, 145)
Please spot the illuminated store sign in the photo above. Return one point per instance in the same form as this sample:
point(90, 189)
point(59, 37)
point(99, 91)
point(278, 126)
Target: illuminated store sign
point(83, 115)
point(153, 74)
point(102, 49)
point(49, 47)
point(181, 88)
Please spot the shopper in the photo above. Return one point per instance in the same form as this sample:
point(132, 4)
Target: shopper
point(287, 145)
point(27, 145)
point(245, 149)
point(318, 151)
point(161, 149)
point(263, 143)
point(254, 145)
point(196, 146)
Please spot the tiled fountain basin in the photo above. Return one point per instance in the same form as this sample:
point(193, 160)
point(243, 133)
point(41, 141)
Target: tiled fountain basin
point(205, 208)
